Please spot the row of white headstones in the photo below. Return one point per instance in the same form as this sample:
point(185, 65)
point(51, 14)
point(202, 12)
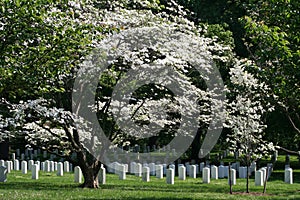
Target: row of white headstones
point(209, 172)
point(146, 170)
point(36, 166)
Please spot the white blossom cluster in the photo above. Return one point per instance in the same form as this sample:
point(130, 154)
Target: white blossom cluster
point(47, 127)
point(246, 113)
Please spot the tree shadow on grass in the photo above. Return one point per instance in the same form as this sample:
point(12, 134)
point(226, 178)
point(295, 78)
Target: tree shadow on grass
point(190, 188)
point(279, 176)
point(35, 186)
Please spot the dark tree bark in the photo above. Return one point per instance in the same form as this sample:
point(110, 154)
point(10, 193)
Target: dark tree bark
point(90, 167)
point(229, 174)
point(90, 175)
point(247, 190)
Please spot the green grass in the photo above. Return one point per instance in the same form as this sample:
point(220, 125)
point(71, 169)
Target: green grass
point(50, 186)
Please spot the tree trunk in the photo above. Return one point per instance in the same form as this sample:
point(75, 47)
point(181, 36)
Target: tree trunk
point(266, 179)
point(229, 174)
point(247, 190)
point(90, 178)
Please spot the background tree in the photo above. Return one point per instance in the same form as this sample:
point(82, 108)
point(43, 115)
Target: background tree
point(273, 31)
point(44, 63)
point(247, 108)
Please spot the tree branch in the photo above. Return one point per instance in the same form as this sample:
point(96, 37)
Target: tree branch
point(292, 122)
point(138, 108)
point(47, 129)
point(287, 150)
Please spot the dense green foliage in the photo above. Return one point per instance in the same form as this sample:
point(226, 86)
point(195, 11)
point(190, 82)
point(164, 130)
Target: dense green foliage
point(268, 33)
point(273, 31)
point(41, 48)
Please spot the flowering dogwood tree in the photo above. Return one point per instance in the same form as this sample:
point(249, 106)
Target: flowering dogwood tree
point(136, 81)
point(246, 109)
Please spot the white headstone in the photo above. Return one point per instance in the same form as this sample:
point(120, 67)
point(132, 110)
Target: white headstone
point(42, 166)
point(145, 165)
point(70, 167)
point(111, 167)
point(2, 163)
point(18, 152)
point(102, 176)
point(188, 167)
point(286, 166)
point(35, 171)
point(288, 175)
point(221, 171)
point(66, 166)
point(179, 165)
point(13, 156)
point(138, 169)
point(30, 163)
point(234, 166)
point(214, 172)
point(146, 174)
point(193, 172)
point(16, 165)
point(182, 173)
point(226, 171)
point(152, 169)
point(77, 174)
point(206, 175)
point(52, 166)
point(22, 156)
point(24, 167)
point(259, 180)
point(253, 167)
point(122, 172)
point(159, 171)
point(55, 166)
point(39, 164)
point(164, 169)
point(35, 152)
point(3, 174)
point(126, 168)
point(114, 168)
point(11, 165)
point(233, 177)
point(45, 154)
point(202, 164)
point(132, 167)
point(270, 170)
point(174, 152)
point(264, 171)
point(242, 172)
point(238, 164)
point(47, 166)
point(8, 165)
point(170, 176)
point(197, 169)
point(60, 169)
point(172, 166)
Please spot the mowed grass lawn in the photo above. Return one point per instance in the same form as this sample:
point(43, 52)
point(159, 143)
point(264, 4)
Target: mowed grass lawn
point(50, 186)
